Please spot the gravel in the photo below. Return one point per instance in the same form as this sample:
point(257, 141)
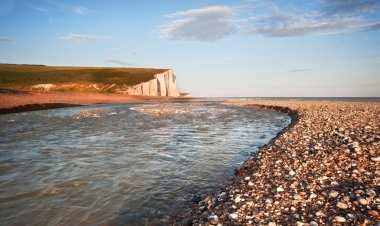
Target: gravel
point(323, 169)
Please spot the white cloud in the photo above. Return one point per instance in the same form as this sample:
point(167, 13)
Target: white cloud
point(82, 37)
point(4, 38)
point(205, 24)
point(213, 23)
point(282, 25)
point(119, 62)
point(79, 10)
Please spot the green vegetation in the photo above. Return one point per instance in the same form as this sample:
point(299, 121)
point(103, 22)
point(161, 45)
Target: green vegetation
point(14, 76)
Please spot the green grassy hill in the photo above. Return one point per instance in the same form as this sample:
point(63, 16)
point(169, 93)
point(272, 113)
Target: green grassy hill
point(14, 76)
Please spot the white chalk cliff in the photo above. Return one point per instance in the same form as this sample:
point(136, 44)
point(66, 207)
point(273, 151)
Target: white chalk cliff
point(163, 84)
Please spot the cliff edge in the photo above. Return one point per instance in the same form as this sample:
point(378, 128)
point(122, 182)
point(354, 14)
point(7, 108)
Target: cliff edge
point(163, 84)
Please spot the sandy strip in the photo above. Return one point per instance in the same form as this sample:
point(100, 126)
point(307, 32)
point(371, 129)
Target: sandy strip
point(17, 101)
point(322, 170)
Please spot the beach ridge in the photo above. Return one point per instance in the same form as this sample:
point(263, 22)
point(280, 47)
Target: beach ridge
point(322, 169)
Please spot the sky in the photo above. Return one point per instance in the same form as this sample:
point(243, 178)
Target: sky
point(225, 48)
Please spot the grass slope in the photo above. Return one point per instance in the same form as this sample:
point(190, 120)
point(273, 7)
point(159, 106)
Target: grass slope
point(14, 76)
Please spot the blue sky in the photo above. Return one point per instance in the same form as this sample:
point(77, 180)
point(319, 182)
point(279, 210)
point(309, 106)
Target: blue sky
point(217, 48)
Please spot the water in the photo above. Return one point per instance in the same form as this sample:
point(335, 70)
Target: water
point(344, 99)
point(113, 165)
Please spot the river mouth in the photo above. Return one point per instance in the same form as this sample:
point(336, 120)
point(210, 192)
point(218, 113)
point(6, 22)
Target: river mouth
point(115, 165)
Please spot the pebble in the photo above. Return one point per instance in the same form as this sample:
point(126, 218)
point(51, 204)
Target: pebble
point(297, 197)
point(376, 159)
point(268, 201)
point(373, 213)
point(363, 201)
point(334, 194)
point(213, 222)
point(313, 223)
point(272, 224)
point(342, 205)
point(233, 216)
point(340, 219)
point(280, 189)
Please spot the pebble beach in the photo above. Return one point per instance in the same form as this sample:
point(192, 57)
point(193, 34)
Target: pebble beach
point(323, 169)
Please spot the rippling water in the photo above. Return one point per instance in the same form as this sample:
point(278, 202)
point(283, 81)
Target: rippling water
point(113, 165)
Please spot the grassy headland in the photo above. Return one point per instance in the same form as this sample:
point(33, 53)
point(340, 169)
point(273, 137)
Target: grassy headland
point(23, 77)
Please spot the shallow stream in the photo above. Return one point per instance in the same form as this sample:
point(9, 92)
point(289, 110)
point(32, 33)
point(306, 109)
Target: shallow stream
point(113, 165)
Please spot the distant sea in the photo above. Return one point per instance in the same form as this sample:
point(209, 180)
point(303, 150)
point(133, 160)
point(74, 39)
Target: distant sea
point(349, 99)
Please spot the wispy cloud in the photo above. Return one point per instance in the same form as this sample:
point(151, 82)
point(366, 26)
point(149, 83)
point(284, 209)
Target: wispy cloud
point(119, 62)
point(205, 24)
point(4, 38)
point(79, 10)
point(350, 6)
point(82, 37)
point(54, 6)
point(213, 23)
point(283, 25)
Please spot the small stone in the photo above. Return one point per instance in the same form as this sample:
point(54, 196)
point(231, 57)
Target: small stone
point(237, 199)
point(280, 189)
point(233, 216)
point(320, 214)
point(313, 223)
point(371, 193)
point(250, 184)
point(363, 201)
point(376, 159)
point(333, 194)
point(342, 205)
point(213, 222)
point(296, 216)
point(292, 173)
point(268, 201)
point(340, 219)
point(297, 197)
point(247, 178)
point(272, 224)
point(312, 196)
point(373, 213)
point(346, 199)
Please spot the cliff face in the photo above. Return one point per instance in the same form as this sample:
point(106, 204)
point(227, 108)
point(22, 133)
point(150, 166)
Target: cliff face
point(163, 84)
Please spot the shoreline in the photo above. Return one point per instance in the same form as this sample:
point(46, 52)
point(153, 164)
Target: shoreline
point(15, 101)
point(321, 169)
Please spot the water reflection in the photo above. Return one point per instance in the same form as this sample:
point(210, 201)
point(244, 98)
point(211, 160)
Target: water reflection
point(114, 165)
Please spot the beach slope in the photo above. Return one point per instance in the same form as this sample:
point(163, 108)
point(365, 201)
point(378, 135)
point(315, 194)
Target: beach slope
point(324, 169)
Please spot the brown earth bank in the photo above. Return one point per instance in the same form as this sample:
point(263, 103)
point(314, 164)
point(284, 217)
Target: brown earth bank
point(12, 101)
point(324, 169)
